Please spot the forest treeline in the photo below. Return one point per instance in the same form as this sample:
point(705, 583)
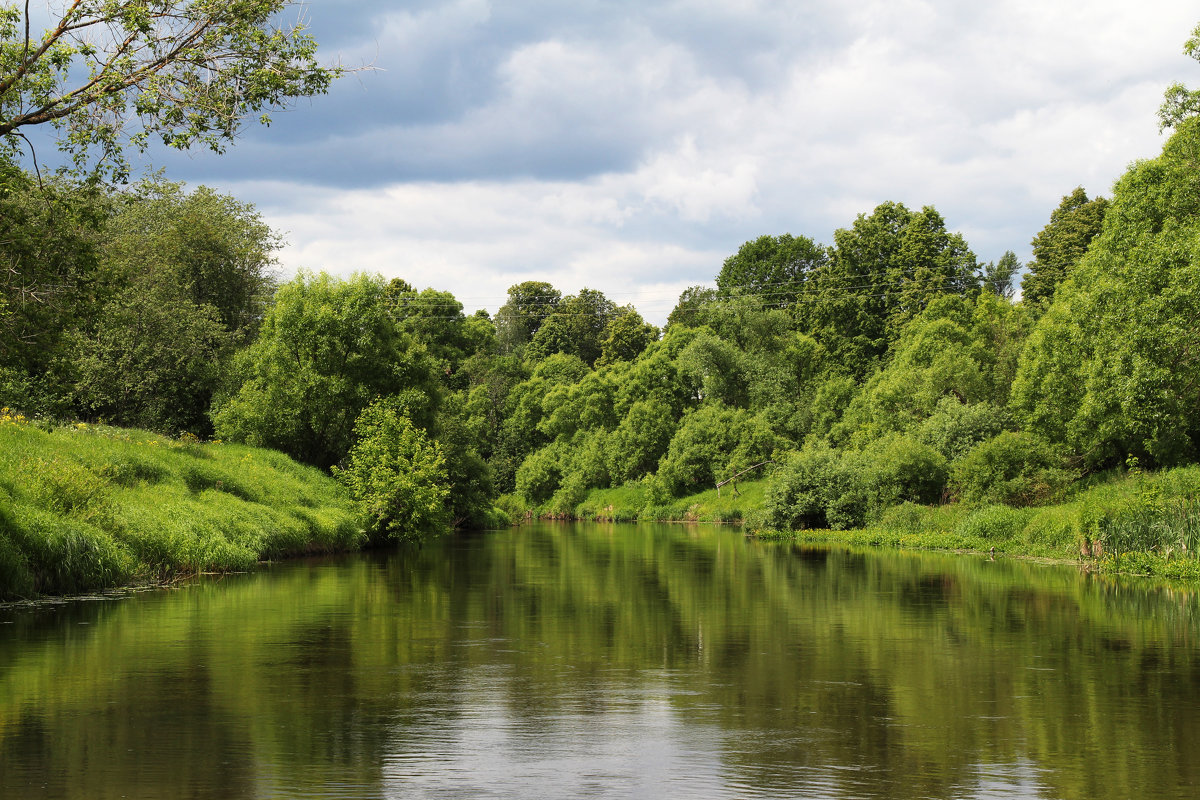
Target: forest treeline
point(888, 366)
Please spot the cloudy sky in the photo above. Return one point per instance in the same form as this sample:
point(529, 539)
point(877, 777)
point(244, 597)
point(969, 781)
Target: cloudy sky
point(632, 146)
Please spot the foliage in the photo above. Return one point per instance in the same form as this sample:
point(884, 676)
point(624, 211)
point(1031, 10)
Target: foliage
point(997, 277)
point(626, 337)
point(1179, 102)
point(327, 348)
point(468, 476)
point(954, 427)
point(1061, 244)
point(152, 361)
point(50, 237)
point(774, 269)
point(711, 444)
point(882, 272)
point(1110, 369)
point(1017, 469)
point(185, 71)
point(577, 326)
point(529, 304)
point(898, 469)
point(210, 249)
point(396, 475)
point(688, 311)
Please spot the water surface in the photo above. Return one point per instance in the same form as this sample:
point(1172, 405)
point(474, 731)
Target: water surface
point(610, 661)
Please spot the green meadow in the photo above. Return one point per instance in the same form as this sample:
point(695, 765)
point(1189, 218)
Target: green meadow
point(89, 507)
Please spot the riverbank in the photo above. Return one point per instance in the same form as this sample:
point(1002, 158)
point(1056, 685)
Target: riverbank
point(90, 507)
point(1132, 522)
point(1140, 523)
point(635, 503)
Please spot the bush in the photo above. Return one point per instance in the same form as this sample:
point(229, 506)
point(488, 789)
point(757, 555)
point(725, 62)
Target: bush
point(396, 474)
point(1016, 469)
point(955, 428)
point(817, 487)
point(898, 468)
point(540, 474)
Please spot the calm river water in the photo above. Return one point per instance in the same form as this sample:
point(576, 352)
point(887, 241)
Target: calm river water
point(564, 661)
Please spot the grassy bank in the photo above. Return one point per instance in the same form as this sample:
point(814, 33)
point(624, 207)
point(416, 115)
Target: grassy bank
point(1145, 523)
point(84, 508)
point(633, 502)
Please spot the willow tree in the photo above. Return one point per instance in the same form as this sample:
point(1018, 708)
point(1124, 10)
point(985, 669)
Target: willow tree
point(108, 73)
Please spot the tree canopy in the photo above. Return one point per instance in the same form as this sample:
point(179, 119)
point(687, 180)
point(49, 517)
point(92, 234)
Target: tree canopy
point(108, 72)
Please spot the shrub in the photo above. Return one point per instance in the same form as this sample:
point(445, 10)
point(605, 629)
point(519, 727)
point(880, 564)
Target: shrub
point(396, 474)
point(898, 468)
point(540, 474)
point(954, 427)
point(1016, 469)
point(817, 487)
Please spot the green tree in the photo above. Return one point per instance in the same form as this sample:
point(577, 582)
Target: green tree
point(50, 255)
point(1179, 102)
point(396, 474)
point(774, 269)
point(529, 304)
point(883, 271)
point(436, 320)
point(213, 249)
point(689, 311)
point(1112, 368)
point(468, 476)
point(998, 275)
point(186, 71)
point(327, 348)
point(1061, 244)
point(576, 326)
point(626, 337)
point(152, 361)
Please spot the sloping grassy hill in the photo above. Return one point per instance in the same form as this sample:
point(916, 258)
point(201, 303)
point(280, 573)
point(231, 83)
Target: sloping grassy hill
point(83, 508)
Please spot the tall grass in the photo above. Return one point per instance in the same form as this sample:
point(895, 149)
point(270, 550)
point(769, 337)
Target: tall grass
point(83, 508)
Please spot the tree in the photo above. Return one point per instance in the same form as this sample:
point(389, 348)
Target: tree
point(773, 268)
point(529, 304)
point(327, 348)
point(50, 246)
point(689, 311)
point(998, 275)
point(576, 326)
point(1061, 244)
point(152, 361)
point(1113, 366)
point(186, 71)
point(214, 250)
point(626, 337)
point(883, 271)
point(1179, 102)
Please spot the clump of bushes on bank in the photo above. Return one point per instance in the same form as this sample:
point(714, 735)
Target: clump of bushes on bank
point(1125, 522)
point(84, 508)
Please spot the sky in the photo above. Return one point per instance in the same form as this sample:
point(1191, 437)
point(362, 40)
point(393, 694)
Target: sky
point(632, 147)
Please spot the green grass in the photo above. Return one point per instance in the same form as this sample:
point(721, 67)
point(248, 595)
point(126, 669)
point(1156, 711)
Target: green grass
point(632, 502)
point(1144, 523)
point(85, 508)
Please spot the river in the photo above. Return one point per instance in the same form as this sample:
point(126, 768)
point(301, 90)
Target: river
point(623, 661)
